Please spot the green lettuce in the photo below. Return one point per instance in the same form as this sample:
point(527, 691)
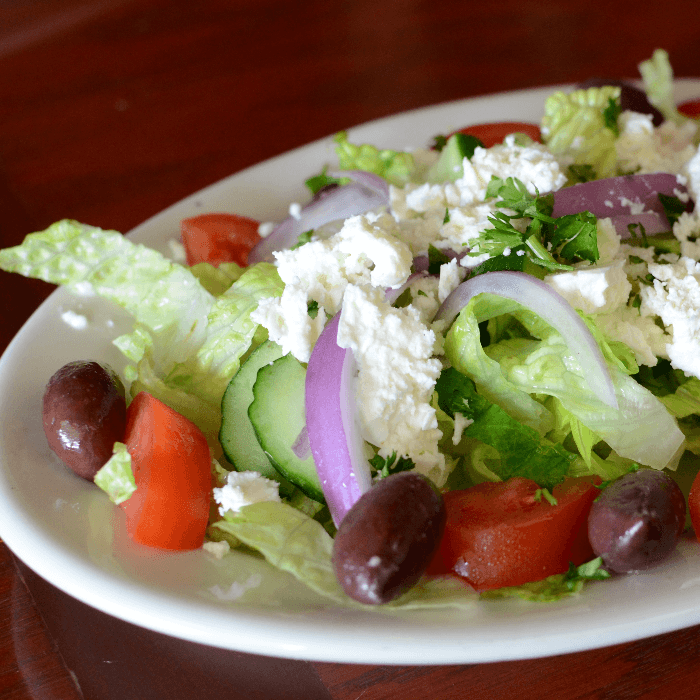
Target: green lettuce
point(395, 167)
point(293, 542)
point(186, 343)
point(580, 125)
point(554, 587)
point(657, 76)
point(116, 477)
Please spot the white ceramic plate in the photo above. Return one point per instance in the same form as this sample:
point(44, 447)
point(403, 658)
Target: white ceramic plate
point(69, 533)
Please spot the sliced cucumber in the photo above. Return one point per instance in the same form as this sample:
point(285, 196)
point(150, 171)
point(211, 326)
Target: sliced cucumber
point(278, 416)
point(237, 437)
point(449, 167)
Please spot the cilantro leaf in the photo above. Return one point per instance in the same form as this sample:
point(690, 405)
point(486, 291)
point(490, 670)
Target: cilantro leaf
point(611, 114)
point(318, 182)
point(436, 258)
point(551, 243)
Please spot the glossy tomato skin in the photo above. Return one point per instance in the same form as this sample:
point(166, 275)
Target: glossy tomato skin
point(494, 133)
point(218, 238)
point(502, 534)
point(171, 462)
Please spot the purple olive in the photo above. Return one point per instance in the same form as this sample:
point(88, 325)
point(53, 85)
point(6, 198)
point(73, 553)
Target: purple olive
point(84, 414)
point(387, 539)
point(631, 97)
point(637, 521)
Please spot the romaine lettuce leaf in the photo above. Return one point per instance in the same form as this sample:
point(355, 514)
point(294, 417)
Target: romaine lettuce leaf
point(577, 125)
point(295, 543)
point(395, 167)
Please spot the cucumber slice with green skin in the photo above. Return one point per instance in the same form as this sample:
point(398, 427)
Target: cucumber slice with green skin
point(278, 416)
point(237, 437)
point(449, 167)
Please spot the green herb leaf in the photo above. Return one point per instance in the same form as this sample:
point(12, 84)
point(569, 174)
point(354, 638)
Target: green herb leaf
point(385, 466)
point(522, 451)
point(673, 207)
point(436, 258)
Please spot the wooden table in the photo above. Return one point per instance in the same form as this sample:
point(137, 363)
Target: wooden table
point(110, 110)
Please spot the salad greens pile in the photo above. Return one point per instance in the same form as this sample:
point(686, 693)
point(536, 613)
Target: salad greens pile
point(510, 399)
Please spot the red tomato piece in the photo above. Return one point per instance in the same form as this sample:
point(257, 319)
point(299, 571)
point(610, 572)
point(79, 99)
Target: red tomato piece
point(217, 238)
point(499, 534)
point(172, 468)
point(493, 134)
point(690, 108)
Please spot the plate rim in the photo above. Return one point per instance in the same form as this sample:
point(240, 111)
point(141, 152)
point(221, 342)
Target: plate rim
point(268, 625)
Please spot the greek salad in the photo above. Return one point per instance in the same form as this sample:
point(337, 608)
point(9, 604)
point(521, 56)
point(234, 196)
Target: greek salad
point(471, 369)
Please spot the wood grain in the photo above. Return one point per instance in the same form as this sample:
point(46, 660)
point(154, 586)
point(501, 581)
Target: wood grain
point(110, 110)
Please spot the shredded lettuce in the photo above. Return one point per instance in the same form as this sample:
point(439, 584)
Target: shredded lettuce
point(295, 543)
point(394, 166)
point(578, 125)
point(657, 76)
point(522, 451)
point(554, 587)
point(186, 343)
point(116, 477)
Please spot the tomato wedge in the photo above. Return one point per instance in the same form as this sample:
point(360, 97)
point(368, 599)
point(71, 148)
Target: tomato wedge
point(690, 108)
point(503, 534)
point(495, 133)
point(218, 238)
point(172, 468)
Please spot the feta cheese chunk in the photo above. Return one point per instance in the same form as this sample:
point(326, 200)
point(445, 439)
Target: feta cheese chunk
point(243, 489)
point(641, 148)
point(594, 289)
point(364, 251)
point(675, 297)
point(534, 165)
point(397, 374)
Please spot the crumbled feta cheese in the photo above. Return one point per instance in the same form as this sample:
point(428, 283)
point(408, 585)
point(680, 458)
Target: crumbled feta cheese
point(451, 276)
point(608, 240)
point(642, 148)
point(364, 251)
point(594, 289)
point(461, 424)
point(675, 298)
point(687, 231)
point(691, 173)
point(534, 165)
point(243, 489)
point(397, 375)
point(295, 210)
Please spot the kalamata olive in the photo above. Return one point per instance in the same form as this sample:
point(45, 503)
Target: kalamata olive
point(84, 414)
point(637, 520)
point(387, 539)
point(631, 97)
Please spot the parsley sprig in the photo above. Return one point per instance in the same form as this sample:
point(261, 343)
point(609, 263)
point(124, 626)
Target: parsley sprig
point(548, 242)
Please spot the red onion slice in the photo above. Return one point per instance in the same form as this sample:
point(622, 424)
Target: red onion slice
point(369, 180)
point(336, 444)
point(651, 221)
point(541, 299)
point(339, 203)
point(612, 196)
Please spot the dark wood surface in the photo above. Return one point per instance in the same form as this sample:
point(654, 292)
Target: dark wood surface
point(110, 110)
